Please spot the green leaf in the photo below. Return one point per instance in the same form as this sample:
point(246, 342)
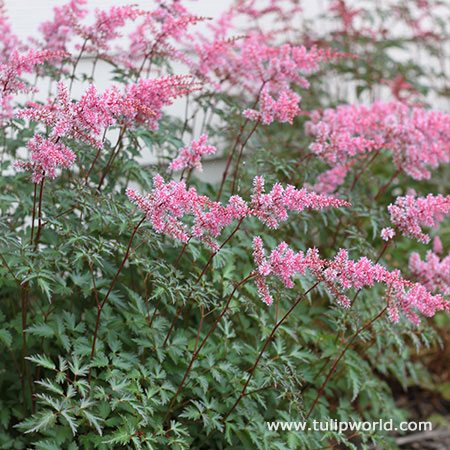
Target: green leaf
point(42, 360)
point(5, 337)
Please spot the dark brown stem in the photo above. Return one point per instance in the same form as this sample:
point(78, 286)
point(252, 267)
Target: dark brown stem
point(115, 151)
point(100, 306)
point(10, 271)
point(236, 143)
point(229, 159)
point(38, 233)
point(92, 166)
point(383, 188)
point(198, 279)
point(241, 151)
point(357, 177)
point(180, 255)
point(196, 352)
point(339, 357)
point(279, 323)
point(34, 214)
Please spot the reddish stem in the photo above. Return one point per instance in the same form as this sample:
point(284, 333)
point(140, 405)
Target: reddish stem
point(198, 279)
point(383, 188)
point(241, 151)
point(101, 305)
point(196, 352)
point(38, 233)
point(339, 357)
point(279, 323)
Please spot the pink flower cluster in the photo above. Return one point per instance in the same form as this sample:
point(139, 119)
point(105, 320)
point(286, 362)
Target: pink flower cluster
point(168, 203)
point(12, 69)
point(387, 233)
point(267, 73)
point(433, 273)
point(57, 32)
point(143, 101)
point(419, 139)
point(328, 181)
point(409, 214)
point(341, 274)
point(83, 120)
point(190, 156)
point(46, 157)
point(272, 208)
point(88, 118)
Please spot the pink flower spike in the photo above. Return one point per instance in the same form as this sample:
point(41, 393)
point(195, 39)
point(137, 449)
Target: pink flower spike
point(409, 214)
point(190, 156)
point(341, 273)
point(46, 157)
point(437, 245)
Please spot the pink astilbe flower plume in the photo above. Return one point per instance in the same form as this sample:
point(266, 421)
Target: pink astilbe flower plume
point(83, 120)
point(272, 208)
point(190, 157)
point(168, 204)
point(267, 74)
point(58, 31)
point(46, 157)
point(419, 139)
point(182, 214)
point(12, 69)
point(341, 274)
point(143, 101)
point(409, 214)
point(433, 272)
point(158, 34)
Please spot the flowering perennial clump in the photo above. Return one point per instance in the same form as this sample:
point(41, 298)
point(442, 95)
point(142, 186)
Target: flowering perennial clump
point(145, 324)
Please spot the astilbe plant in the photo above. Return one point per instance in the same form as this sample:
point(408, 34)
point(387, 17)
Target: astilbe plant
point(139, 307)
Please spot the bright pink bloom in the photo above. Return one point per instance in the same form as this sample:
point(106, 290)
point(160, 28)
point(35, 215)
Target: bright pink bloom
point(46, 157)
point(387, 233)
point(183, 214)
point(271, 208)
point(106, 26)
point(190, 156)
point(437, 245)
point(341, 274)
point(418, 138)
point(433, 273)
point(83, 120)
point(143, 101)
point(10, 72)
point(409, 214)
